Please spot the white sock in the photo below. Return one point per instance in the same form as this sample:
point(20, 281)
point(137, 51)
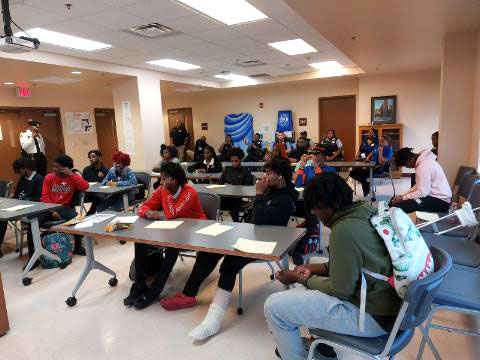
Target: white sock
point(211, 324)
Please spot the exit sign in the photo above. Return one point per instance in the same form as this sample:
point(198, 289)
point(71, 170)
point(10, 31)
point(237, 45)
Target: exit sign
point(23, 92)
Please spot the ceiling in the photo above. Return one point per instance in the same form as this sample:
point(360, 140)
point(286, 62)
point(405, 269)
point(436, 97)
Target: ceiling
point(390, 35)
point(204, 42)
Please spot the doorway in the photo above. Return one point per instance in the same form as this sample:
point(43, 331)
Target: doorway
point(184, 115)
point(106, 134)
point(14, 120)
point(339, 113)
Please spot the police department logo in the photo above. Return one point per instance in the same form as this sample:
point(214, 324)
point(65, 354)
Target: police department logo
point(283, 119)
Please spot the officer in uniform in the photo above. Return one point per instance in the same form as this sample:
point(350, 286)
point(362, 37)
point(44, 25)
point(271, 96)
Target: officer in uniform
point(33, 146)
point(333, 147)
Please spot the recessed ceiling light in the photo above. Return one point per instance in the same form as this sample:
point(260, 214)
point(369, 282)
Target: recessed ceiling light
point(229, 12)
point(64, 40)
point(8, 83)
point(293, 47)
point(76, 72)
point(326, 65)
point(174, 64)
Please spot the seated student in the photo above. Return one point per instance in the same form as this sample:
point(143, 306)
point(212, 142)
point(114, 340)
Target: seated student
point(333, 303)
point(59, 188)
point(316, 161)
point(303, 135)
point(119, 175)
point(210, 164)
point(431, 191)
point(95, 172)
point(382, 156)
point(235, 175)
point(365, 149)
point(296, 154)
point(279, 152)
point(177, 199)
point(226, 146)
point(29, 187)
point(333, 146)
point(273, 205)
point(435, 143)
point(255, 150)
point(169, 154)
point(200, 145)
point(282, 139)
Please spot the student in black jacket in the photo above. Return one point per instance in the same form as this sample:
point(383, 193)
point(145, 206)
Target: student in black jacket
point(273, 205)
point(235, 175)
point(29, 187)
point(95, 172)
point(210, 163)
point(200, 145)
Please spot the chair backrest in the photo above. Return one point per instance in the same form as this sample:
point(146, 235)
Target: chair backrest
point(466, 185)
point(210, 205)
point(463, 171)
point(145, 179)
point(5, 186)
point(420, 293)
point(474, 197)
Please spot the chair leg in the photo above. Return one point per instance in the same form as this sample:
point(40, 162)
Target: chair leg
point(272, 275)
point(17, 237)
point(240, 293)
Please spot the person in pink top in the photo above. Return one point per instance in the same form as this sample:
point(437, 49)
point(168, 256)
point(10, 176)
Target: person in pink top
point(431, 192)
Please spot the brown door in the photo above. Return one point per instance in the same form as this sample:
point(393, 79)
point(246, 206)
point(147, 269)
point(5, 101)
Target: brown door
point(339, 113)
point(9, 143)
point(105, 125)
point(183, 115)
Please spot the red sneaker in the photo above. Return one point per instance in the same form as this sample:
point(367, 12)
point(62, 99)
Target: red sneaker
point(178, 301)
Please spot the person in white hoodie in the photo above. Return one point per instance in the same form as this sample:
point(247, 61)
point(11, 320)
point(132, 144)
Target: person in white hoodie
point(431, 192)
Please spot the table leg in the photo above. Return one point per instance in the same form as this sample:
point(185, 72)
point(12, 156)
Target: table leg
point(371, 182)
point(125, 202)
point(91, 264)
point(285, 266)
point(39, 250)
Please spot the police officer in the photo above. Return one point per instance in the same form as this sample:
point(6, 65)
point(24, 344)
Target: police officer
point(33, 146)
point(179, 135)
point(333, 147)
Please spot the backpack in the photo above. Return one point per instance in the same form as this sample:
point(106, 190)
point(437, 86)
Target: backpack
point(59, 244)
point(410, 255)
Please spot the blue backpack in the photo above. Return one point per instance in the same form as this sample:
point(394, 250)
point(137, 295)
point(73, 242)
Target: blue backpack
point(59, 244)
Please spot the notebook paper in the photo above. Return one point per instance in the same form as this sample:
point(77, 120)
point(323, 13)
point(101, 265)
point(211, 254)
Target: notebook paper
point(126, 219)
point(105, 187)
point(214, 229)
point(84, 224)
point(254, 246)
point(92, 183)
point(426, 216)
point(215, 186)
point(164, 225)
point(17, 207)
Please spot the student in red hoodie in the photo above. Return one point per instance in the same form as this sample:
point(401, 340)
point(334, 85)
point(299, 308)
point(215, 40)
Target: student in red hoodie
point(58, 188)
point(177, 199)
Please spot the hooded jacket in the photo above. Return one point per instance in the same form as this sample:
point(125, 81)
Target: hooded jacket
point(430, 179)
point(275, 207)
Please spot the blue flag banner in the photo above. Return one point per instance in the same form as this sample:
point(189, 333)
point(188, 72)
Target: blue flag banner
point(240, 127)
point(285, 122)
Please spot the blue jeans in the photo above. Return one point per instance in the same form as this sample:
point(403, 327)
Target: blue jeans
point(288, 310)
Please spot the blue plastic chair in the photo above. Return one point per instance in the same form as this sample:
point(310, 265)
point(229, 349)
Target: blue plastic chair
point(414, 311)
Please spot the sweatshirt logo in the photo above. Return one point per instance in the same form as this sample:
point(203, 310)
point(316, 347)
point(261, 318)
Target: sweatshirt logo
point(180, 206)
point(61, 188)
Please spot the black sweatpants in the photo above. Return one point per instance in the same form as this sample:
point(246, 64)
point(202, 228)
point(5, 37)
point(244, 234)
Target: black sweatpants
point(95, 200)
point(3, 230)
point(428, 203)
point(233, 206)
point(362, 175)
point(206, 263)
point(141, 265)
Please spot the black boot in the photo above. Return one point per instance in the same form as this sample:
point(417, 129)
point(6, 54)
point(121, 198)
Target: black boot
point(146, 299)
point(135, 292)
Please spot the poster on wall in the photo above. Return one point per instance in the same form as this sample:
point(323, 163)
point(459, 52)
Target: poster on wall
point(79, 122)
point(128, 127)
point(285, 122)
point(240, 127)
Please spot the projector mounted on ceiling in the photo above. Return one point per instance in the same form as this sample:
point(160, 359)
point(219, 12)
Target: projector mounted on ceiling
point(13, 44)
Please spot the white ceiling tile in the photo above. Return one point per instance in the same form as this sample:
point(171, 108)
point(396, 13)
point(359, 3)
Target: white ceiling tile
point(259, 27)
point(115, 19)
point(205, 48)
point(237, 43)
point(218, 34)
point(279, 8)
point(146, 46)
point(34, 17)
point(257, 50)
point(192, 24)
point(293, 22)
point(179, 41)
point(119, 3)
point(158, 10)
point(115, 52)
point(77, 28)
point(78, 8)
point(117, 38)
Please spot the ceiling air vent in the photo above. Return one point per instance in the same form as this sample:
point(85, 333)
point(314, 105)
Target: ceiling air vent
point(152, 31)
point(256, 76)
point(250, 63)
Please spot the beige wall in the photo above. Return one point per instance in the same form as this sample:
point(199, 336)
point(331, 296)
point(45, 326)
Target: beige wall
point(68, 100)
point(475, 148)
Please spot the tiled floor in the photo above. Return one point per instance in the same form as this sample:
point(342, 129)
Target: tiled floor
point(100, 327)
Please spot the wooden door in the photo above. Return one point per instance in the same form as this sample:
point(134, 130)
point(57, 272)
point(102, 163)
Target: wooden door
point(339, 113)
point(184, 115)
point(106, 134)
point(9, 143)
point(51, 130)
point(4, 326)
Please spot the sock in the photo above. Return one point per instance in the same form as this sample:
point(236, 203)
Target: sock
point(211, 324)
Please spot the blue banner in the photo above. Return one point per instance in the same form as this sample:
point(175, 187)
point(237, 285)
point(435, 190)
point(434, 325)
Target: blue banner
point(285, 122)
point(240, 127)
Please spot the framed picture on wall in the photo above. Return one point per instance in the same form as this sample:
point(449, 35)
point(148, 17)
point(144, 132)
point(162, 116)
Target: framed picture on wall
point(384, 110)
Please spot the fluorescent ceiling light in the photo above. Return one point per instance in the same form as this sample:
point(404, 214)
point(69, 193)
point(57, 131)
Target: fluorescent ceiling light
point(174, 64)
point(326, 65)
point(232, 77)
point(229, 12)
point(68, 41)
point(8, 83)
point(76, 72)
point(293, 47)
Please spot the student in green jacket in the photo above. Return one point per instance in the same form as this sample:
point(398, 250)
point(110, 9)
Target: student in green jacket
point(330, 296)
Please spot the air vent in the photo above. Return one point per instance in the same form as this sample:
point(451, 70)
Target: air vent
point(152, 31)
point(250, 63)
point(256, 76)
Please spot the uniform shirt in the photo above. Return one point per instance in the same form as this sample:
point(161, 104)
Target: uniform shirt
point(91, 174)
point(225, 150)
point(298, 153)
point(29, 188)
point(28, 142)
point(367, 149)
point(236, 176)
point(332, 146)
point(387, 154)
point(179, 135)
point(60, 190)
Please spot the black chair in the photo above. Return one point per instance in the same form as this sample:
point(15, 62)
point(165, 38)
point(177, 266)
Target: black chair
point(414, 311)
point(144, 179)
point(5, 188)
point(385, 174)
point(461, 173)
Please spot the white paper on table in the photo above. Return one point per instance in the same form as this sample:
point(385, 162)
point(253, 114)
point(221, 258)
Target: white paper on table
point(426, 216)
point(214, 229)
point(254, 246)
point(105, 187)
point(164, 225)
point(215, 186)
point(300, 189)
point(92, 183)
point(98, 218)
point(126, 219)
point(84, 224)
point(17, 207)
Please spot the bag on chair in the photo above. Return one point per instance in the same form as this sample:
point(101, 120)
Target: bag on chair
point(59, 244)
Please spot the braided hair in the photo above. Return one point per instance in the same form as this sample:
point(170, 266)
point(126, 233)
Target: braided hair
point(328, 191)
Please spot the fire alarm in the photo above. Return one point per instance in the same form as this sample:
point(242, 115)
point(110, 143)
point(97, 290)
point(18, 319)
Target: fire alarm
point(260, 105)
